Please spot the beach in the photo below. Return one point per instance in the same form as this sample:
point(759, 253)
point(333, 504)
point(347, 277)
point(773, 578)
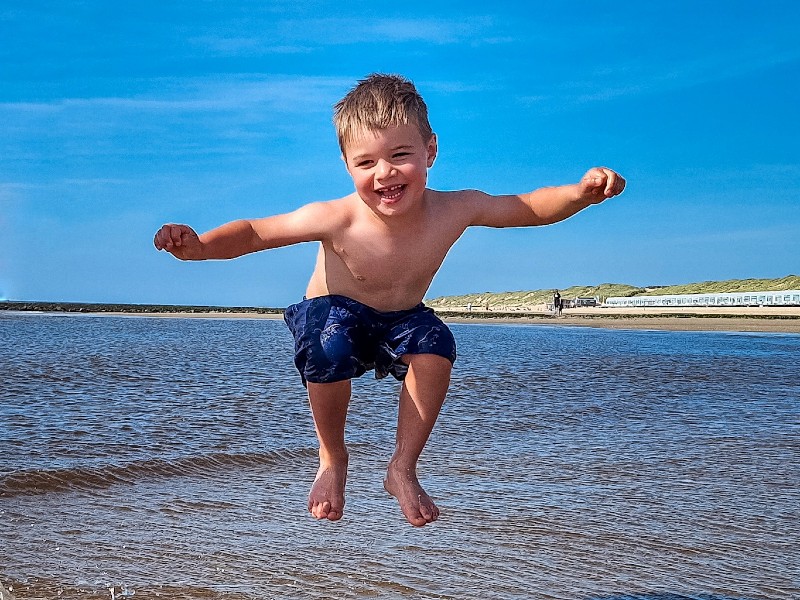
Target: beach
point(744, 319)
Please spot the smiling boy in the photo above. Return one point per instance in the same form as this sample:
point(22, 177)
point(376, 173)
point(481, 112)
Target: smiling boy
point(380, 248)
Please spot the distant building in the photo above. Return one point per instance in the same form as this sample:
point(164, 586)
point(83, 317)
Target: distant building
point(594, 301)
point(579, 302)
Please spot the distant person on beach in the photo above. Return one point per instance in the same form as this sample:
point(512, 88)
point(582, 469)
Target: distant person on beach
point(380, 247)
point(557, 305)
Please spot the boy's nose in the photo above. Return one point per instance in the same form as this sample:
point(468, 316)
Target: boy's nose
point(384, 169)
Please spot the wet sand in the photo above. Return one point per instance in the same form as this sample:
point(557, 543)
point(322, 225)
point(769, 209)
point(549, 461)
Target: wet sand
point(745, 319)
point(755, 319)
point(689, 323)
point(778, 319)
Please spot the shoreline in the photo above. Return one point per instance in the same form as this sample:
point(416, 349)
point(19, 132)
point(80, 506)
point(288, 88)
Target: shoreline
point(646, 322)
point(765, 320)
point(743, 319)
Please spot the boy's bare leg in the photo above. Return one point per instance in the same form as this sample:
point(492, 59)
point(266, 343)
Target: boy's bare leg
point(421, 399)
point(329, 402)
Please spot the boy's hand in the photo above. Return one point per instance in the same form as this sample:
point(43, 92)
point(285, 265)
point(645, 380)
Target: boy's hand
point(600, 183)
point(179, 240)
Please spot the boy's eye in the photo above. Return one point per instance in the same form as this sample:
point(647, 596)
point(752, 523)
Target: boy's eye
point(364, 163)
point(400, 154)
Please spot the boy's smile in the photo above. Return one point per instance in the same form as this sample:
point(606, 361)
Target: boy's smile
point(389, 167)
point(391, 193)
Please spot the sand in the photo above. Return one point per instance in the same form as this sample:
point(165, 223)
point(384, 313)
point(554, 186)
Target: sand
point(771, 319)
point(756, 319)
point(660, 323)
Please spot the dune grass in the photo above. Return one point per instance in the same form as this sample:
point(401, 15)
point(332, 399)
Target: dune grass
point(527, 300)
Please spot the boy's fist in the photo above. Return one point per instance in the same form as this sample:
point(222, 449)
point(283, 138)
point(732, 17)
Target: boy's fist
point(179, 240)
point(600, 183)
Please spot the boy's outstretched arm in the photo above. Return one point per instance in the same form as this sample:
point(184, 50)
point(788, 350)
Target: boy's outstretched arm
point(244, 236)
point(549, 204)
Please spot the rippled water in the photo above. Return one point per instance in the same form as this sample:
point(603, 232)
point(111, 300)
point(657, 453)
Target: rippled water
point(171, 458)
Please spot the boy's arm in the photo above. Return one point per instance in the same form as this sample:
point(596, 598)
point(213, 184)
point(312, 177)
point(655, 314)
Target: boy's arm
point(306, 224)
point(546, 205)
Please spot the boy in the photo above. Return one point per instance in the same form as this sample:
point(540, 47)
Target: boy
point(379, 250)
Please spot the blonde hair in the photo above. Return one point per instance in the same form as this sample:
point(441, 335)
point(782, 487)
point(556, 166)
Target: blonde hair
point(377, 102)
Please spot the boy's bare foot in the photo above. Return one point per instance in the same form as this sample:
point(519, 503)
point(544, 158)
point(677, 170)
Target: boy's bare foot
point(417, 506)
point(326, 498)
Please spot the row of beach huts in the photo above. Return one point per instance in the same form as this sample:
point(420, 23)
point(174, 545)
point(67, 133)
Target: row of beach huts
point(778, 298)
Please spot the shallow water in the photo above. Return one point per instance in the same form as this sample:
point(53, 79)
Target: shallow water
point(172, 457)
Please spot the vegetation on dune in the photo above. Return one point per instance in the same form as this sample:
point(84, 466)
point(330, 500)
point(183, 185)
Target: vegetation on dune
point(527, 300)
point(790, 282)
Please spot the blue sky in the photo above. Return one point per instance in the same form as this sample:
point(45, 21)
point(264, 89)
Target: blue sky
point(118, 117)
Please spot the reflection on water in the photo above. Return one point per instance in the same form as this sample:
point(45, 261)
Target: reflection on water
point(173, 457)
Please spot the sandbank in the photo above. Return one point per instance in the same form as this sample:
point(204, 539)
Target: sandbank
point(744, 319)
point(197, 315)
point(777, 320)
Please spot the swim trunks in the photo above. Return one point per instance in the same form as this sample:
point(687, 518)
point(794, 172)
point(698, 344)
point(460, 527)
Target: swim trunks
point(338, 338)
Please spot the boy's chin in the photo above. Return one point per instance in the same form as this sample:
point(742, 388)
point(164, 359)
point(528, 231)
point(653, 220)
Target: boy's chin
point(388, 207)
point(391, 204)
point(388, 211)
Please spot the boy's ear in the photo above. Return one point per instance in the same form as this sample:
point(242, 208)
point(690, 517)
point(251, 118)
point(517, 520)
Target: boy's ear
point(433, 149)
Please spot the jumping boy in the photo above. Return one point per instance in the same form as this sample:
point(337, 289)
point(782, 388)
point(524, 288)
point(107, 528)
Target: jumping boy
point(379, 250)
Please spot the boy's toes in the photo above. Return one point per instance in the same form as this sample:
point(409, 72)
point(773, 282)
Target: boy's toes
point(325, 510)
point(326, 497)
point(320, 510)
point(420, 521)
point(429, 513)
point(421, 516)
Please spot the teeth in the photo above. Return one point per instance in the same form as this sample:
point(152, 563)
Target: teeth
point(388, 194)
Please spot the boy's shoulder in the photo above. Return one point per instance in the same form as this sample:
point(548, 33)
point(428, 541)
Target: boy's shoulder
point(461, 202)
point(329, 217)
point(339, 208)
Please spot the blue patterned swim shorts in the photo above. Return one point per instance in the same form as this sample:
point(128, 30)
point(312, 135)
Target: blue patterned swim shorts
point(338, 338)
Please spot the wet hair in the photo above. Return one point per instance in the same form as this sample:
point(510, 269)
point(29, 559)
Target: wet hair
point(377, 102)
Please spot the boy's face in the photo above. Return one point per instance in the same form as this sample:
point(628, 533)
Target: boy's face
point(389, 167)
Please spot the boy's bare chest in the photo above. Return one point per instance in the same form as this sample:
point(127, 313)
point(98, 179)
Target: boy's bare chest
point(373, 257)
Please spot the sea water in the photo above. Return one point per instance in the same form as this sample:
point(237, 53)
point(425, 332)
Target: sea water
point(171, 458)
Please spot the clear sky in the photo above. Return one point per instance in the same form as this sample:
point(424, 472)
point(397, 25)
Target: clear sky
point(116, 117)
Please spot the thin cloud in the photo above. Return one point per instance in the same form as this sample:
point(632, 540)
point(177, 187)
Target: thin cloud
point(433, 31)
point(298, 94)
point(290, 36)
point(245, 46)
